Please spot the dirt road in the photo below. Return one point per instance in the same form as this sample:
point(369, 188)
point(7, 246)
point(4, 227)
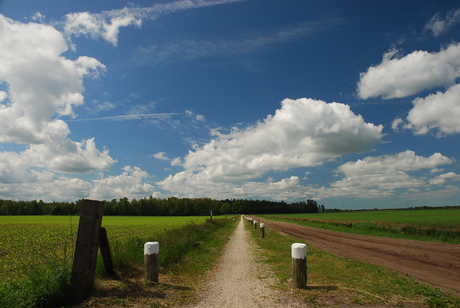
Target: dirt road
point(436, 264)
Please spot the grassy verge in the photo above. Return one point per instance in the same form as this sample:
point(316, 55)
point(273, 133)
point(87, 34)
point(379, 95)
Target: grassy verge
point(186, 253)
point(420, 232)
point(334, 281)
point(44, 282)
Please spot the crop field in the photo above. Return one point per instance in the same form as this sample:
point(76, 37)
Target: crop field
point(25, 240)
point(425, 217)
point(440, 225)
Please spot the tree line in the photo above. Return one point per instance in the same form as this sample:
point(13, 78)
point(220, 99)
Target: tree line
point(163, 207)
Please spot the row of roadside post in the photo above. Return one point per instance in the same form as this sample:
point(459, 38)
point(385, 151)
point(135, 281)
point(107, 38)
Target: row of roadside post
point(298, 254)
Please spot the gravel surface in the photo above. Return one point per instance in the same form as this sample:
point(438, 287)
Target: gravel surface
point(240, 281)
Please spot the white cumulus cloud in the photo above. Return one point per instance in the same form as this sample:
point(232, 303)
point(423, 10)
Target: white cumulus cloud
point(397, 77)
point(381, 176)
point(49, 186)
point(443, 178)
point(130, 184)
point(41, 87)
point(439, 111)
point(303, 132)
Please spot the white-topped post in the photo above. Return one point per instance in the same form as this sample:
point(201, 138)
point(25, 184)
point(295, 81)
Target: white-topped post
point(262, 230)
point(299, 265)
point(151, 250)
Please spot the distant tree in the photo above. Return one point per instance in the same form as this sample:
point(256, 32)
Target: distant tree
point(57, 210)
point(225, 208)
point(239, 206)
point(311, 206)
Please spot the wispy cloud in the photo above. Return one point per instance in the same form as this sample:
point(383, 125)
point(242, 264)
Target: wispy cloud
point(107, 24)
point(438, 24)
point(129, 117)
point(189, 49)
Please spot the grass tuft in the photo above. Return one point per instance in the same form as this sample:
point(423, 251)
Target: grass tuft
point(44, 282)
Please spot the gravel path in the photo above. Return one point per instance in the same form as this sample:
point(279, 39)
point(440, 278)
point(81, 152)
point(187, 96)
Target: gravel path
point(240, 281)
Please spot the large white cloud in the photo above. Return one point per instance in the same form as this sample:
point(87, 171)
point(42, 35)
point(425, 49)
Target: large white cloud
point(303, 132)
point(404, 161)
point(130, 184)
point(381, 176)
point(49, 186)
point(41, 86)
point(439, 111)
point(420, 70)
point(371, 177)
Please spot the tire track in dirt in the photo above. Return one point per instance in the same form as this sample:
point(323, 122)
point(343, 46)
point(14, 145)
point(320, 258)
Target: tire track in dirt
point(432, 263)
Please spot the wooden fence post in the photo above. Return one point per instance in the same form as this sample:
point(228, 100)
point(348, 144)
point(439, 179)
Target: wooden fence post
point(105, 253)
point(299, 265)
point(262, 230)
point(255, 224)
point(86, 247)
point(151, 250)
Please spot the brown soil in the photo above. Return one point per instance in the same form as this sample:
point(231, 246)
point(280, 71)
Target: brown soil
point(432, 263)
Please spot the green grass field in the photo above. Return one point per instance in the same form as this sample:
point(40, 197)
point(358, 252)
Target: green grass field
point(425, 217)
point(26, 237)
point(36, 252)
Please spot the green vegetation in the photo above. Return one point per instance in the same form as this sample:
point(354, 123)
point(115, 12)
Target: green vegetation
point(335, 281)
point(161, 207)
point(23, 237)
point(432, 216)
point(430, 225)
point(36, 258)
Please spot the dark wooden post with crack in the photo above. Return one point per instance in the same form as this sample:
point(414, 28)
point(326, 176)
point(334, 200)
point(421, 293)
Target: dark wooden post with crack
point(105, 253)
point(86, 247)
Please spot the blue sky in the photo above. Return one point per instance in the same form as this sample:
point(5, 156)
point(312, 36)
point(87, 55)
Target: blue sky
point(355, 104)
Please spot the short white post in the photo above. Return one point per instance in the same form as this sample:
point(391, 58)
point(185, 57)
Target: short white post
point(299, 265)
point(151, 250)
point(255, 224)
point(262, 230)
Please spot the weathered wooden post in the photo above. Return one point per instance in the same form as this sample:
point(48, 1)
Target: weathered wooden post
point(299, 265)
point(255, 224)
point(86, 247)
point(210, 215)
point(151, 250)
point(105, 253)
point(262, 230)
